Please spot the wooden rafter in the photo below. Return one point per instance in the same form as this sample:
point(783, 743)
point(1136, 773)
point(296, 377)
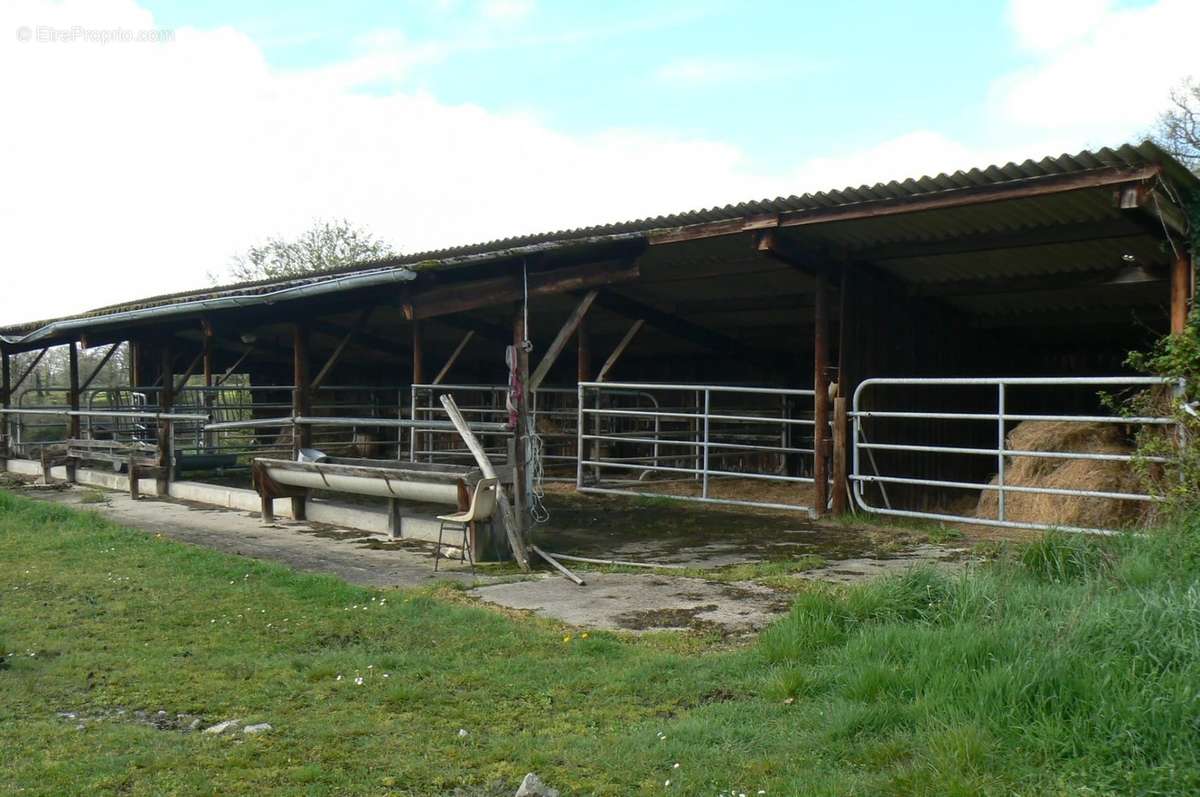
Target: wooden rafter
point(86, 383)
point(460, 297)
point(682, 328)
point(453, 358)
point(619, 350)
point(336, 355)
point(1058, 234)
point(187, 374)
point(561, 339)
point(29, 370)
point(771, 244)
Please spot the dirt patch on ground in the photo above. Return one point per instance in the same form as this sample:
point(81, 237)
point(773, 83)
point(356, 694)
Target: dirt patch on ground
point(663, 530)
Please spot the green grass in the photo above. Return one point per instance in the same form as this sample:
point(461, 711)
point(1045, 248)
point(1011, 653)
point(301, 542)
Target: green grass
point(1069, 667)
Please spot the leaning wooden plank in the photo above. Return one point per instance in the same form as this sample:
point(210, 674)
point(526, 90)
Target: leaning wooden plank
point(618, 562)
point(558, 565)
point(511, 527)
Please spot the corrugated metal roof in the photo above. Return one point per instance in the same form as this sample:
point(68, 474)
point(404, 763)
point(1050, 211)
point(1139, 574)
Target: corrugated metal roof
point(930, 225)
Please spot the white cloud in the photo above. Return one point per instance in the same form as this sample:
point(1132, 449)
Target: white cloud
point(506, 9)
point(1099, 72)
point(134, 169)
point(1045, 26)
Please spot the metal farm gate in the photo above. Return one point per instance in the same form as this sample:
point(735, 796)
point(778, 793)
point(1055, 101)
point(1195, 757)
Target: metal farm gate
point(720, 444)
point(928, 448)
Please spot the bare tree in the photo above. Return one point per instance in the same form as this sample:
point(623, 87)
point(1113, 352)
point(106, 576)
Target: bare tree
point(1178, 130)
point(325, 246)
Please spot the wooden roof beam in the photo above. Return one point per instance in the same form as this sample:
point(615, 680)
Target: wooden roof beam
point(989, 242)
point(461, 297)
point(682, 328)
point(771, 244)
point(913, 203)
point(995, 286)
point(1165, 217)
point(561, 339)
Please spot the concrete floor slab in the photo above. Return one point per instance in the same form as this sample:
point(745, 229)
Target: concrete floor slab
point(635, 602)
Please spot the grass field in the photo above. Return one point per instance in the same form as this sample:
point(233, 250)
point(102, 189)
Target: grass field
point(1066, 667)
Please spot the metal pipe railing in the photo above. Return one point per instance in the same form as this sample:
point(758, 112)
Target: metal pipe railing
point(1002, 417)
point(737, 437)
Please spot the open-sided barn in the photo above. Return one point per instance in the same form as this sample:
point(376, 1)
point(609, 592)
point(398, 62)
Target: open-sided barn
point(889, 338)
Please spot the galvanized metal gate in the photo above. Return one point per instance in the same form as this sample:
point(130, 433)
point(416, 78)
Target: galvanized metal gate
point(902, 425)
point(718, 444)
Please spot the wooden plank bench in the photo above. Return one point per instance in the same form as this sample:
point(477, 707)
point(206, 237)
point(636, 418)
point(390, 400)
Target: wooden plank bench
point(139, 459)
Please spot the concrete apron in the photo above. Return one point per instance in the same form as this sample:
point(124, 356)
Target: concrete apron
point(319, 510)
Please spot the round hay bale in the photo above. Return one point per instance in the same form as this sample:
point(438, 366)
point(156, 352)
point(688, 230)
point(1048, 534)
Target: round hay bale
point(1071, 474)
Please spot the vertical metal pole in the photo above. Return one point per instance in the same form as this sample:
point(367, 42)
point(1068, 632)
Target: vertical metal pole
point(5, 402)
point(72, 401)
point(400, 429)
point(166, 398)
point(412, 433)
point(1000, 448)
point(783, 435)
point(418, 378)
point(209, 437)
point(580, 392)
point(707, 407)
point(856, 435)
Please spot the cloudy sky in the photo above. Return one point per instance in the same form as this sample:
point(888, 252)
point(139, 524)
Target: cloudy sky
point(145, 143)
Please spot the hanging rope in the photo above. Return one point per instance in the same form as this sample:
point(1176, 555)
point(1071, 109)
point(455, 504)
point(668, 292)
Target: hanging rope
point(534, 461)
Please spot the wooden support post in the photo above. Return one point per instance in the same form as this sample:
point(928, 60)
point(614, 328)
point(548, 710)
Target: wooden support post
point(5, 402)
point(73, 425)
point(583, 352)
point(1181, 288)
point(841, 451)
point(135, 366)
point(560, 340)
point(458, 350)
point(418, 356)
point(132, 469)
point(267, 508)
point(301, 433)
point(821, 397)
point(521, 432)
point(166, 399)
